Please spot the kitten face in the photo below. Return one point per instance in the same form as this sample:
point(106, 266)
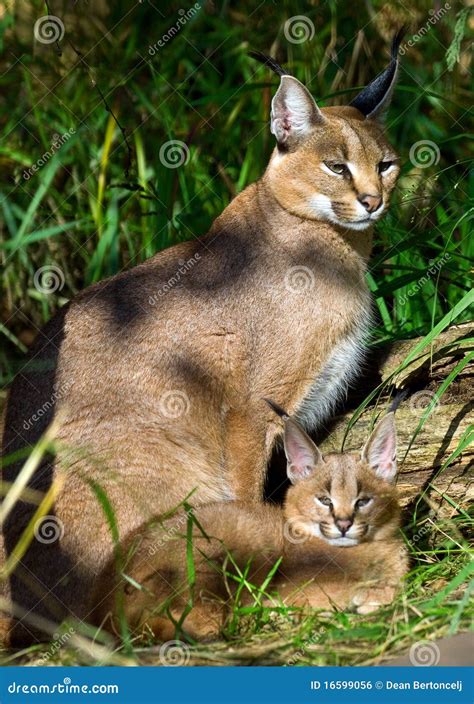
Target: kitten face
point(343, 503)
point(344, 499)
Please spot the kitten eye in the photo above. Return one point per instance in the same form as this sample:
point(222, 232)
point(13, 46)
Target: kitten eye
point(325, 501)
point(364, 501)
point(336, 167)
point(384, 166)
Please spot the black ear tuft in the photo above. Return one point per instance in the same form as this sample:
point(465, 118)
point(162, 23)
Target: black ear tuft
point(375, 97)
point(276, 408)
point(397, 400)
point(268, 61)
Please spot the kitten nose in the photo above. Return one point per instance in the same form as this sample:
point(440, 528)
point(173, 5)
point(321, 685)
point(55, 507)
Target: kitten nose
point(343, 525)
point(370, 203)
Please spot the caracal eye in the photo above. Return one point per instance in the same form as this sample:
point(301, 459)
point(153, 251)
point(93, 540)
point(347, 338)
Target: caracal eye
point(384, 166)
point(325, 501)
point(363, 501)
point(336, 167)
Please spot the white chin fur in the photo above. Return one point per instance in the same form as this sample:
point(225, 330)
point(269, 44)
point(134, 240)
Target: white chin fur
point(344, 542)
point(322, 209)
point(354, 225)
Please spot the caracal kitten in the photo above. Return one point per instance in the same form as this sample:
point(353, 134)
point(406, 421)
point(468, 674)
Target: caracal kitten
point(337, 537)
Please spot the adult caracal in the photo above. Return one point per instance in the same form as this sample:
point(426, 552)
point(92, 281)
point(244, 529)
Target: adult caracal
point(337, 533)
point(156, 375)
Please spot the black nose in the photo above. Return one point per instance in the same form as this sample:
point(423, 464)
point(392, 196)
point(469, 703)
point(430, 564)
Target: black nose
point(343, 524)
point(370, 203)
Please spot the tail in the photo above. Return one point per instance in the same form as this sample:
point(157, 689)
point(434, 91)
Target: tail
point(277, 409)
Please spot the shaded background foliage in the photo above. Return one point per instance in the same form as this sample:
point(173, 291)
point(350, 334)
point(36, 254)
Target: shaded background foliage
point(105, 199)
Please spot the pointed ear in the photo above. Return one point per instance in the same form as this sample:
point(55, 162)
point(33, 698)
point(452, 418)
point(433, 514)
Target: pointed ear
point(294, 112)
point(381, 449)
point(375, 98)
point(302, 454)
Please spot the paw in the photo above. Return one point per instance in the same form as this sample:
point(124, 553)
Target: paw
point(369, 600)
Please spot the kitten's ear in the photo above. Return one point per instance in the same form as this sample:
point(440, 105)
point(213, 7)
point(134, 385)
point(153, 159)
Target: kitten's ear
point(294, 112)
point(380, 451)
point(302, 454)
point(375, 98)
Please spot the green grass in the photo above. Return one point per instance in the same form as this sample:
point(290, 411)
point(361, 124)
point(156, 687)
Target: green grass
point(433, 603)
point(84, 214)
